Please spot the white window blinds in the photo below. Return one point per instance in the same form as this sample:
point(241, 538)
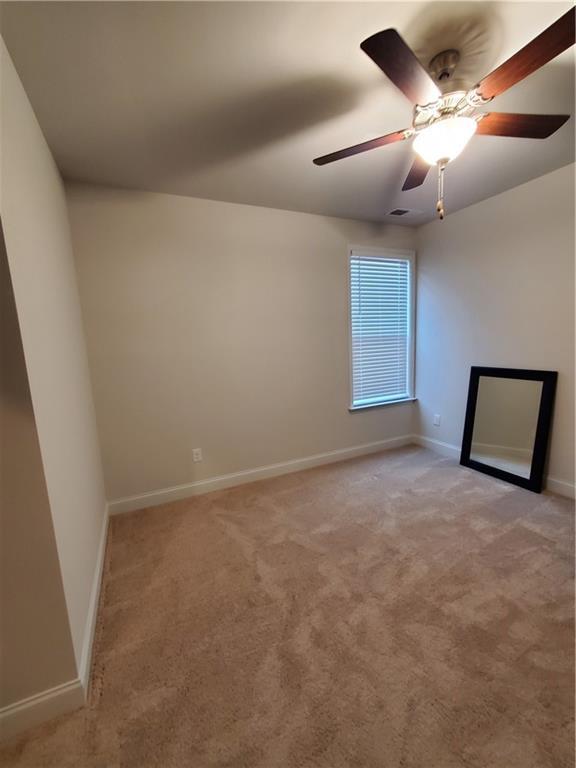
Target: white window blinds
point(380, 300)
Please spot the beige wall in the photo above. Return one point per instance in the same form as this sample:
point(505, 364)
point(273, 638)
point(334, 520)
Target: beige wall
point(496, 288)
point(36, 650)
point(36, 229)
point(217, 326)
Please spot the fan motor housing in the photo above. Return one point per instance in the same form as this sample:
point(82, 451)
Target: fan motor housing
point(443, 65)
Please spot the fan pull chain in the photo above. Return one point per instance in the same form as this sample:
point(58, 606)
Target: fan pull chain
point(440, 203)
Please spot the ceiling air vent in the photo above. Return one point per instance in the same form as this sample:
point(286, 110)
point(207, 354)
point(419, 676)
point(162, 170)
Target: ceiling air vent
point(399, 212)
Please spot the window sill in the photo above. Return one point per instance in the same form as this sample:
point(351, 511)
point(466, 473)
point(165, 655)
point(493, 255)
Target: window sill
point(353, 408)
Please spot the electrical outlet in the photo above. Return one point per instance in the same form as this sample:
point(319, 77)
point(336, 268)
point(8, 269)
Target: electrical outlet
point(436, 419)
point(196, 454)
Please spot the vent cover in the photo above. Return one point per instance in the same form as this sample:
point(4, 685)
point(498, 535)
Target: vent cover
point(399, 212)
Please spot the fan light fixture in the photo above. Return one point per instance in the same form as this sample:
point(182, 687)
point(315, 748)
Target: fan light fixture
point(444, 139)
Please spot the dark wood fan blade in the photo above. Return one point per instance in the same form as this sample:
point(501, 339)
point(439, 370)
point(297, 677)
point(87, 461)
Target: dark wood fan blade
point(520, 126)
point(417, 174)
point(381, 141)
point(549, 44)
point(398, 62)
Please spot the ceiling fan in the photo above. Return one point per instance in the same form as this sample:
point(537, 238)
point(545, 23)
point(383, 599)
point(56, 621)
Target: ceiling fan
point(444, 123)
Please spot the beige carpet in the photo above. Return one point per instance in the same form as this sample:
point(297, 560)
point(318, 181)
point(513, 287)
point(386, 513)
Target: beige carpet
point(395, 611)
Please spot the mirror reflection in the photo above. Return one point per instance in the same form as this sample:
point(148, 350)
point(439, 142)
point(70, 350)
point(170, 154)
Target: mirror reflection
point(505, 423)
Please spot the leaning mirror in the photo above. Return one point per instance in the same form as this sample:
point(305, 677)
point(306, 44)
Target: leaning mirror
point(507, 424)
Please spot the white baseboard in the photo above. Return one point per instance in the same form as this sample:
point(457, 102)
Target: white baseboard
point(69, 696)
point(164, 495)
point(561, 487)
point(445, 449)
point(34, 710)
point(175, 493)
point(86, 658)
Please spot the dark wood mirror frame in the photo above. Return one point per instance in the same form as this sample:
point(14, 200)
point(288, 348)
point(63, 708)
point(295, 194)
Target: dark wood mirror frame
point(548, 379)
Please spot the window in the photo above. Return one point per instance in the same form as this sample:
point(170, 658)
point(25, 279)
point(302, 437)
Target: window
point(381, 326)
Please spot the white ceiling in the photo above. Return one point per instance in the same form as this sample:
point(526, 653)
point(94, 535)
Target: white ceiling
point(232, 101)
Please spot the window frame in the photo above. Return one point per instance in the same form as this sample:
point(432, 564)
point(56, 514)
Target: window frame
point(384, 253)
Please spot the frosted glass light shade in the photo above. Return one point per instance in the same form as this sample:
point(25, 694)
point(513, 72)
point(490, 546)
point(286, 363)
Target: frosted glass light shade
point(445, 139)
